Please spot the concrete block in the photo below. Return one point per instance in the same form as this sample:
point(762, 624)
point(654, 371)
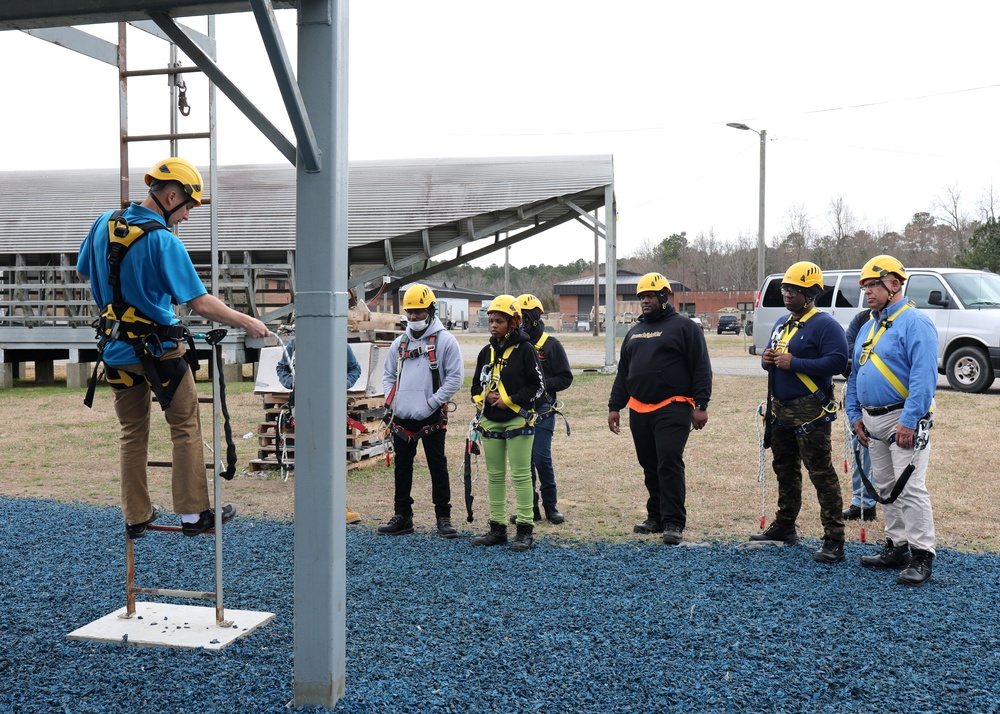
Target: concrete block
point(232, 372)
point(78, 374)
point(6, 375)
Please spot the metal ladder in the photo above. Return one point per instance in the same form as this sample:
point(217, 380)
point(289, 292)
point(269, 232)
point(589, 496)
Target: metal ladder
point(178, 107)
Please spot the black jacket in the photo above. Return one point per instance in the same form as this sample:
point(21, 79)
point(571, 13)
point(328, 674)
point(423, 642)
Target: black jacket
point(663, 357)
point(555, 363)
point(521, 377)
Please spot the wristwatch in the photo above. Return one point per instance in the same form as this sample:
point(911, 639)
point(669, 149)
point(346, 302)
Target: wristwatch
point(701, 407)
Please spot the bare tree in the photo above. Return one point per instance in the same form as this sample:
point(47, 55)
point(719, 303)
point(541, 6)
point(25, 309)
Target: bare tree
point(842, 221)
point(988, 204)
point(948, 210)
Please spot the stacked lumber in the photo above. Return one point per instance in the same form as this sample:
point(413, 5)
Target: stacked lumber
point(367, 326)
point(365, 431)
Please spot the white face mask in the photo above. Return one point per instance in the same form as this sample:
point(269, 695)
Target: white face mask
point(418, 325)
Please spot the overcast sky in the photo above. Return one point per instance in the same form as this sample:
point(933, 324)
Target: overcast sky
point(884, 104)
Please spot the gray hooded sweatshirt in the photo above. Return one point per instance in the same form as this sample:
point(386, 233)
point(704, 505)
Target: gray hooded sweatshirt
point(415, 397)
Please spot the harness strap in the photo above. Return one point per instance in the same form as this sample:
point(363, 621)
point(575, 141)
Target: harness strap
point(920, 440)
point(525, 430)
point(790, 328)
point(411, 436)
point(868, 351)
point(643, 408)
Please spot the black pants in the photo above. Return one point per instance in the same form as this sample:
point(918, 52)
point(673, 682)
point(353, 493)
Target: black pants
point(660, 438)
point(437, 463)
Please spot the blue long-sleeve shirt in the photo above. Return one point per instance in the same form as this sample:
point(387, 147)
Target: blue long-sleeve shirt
point(909, 349)
point(285, 372)
point(818, 349)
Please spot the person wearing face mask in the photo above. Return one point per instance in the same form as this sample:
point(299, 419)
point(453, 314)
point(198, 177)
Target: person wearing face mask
point(506, 386)
point(423, 371)
point(665, 379)
point(807, 349)
point(138, 270)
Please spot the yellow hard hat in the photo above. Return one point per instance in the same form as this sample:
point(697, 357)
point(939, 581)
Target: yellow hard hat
point(507, 304)
point(529, 302)
point(880, 266)
point(804, 275)
point(652, 283)
point(418, 297)
point(181, 171)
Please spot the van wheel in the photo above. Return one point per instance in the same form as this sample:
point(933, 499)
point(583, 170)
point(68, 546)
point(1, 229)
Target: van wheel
point(749, 329)
point(969, 370)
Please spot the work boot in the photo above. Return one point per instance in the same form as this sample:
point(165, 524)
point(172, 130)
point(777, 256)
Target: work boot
point(778, 533)
point(856, 513)
point(206, 520)
point(672, 534)
point(353, 516)
point(496, 536)
point(553, 515)
point(650, 525)
point(397, 525)
point(138, 530)
point(523, 540)
point(445, 528)
point(919, 571)
point(892, 556)
point(831, 552)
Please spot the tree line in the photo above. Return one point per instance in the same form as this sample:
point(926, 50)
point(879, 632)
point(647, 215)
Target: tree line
point(948, 236)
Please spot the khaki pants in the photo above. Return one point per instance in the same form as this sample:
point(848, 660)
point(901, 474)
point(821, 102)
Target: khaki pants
point(910, 519)
point(189, 484)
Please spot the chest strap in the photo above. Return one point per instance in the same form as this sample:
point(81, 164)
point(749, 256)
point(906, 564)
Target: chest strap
point(868, 352)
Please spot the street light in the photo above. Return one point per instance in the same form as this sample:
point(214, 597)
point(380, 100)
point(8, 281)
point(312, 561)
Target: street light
point(760, 218)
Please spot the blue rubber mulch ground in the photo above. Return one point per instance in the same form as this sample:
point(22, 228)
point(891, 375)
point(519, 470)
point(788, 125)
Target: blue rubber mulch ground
point(439, 626)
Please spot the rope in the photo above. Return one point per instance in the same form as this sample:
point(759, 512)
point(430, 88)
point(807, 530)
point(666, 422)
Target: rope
point(761, 462)
point(849, 459)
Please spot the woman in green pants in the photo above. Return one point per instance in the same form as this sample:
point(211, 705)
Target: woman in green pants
point(505, 386)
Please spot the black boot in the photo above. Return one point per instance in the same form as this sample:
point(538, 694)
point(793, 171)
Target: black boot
point(397, 525)
point(831, 552)
point(445, 527)
point(524, 539)
point(777, 533)
point(553, 515)
point(919, 571)
point(892, 556)
point(650, 525)
point(496, 536)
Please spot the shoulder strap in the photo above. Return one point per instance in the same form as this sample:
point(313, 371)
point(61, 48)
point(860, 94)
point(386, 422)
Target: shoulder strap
point(121, 236)
point(541, 341)
point(868, 352)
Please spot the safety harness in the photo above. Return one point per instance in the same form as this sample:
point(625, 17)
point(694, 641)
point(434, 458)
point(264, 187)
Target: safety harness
point(921, 438)
point(495, 384)
point(124, 322)
point(121, 321)
point(868, 351)
point(547, 406)
point(829, 406)
point(391, 427)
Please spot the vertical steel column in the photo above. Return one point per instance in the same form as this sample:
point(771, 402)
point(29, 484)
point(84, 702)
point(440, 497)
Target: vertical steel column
point(611, 269)
point(597, 279)
point(321, 364)
point(122, 116)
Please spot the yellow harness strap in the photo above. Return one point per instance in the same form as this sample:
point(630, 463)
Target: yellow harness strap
point(868, 352)
point(782, 346)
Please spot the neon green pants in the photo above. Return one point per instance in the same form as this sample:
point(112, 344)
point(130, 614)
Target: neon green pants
point(516, 450)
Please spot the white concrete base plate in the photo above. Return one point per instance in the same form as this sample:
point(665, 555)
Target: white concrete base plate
point(157, 624)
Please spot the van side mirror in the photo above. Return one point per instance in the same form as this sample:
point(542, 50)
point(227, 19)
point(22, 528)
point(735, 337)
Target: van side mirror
point(936, 298)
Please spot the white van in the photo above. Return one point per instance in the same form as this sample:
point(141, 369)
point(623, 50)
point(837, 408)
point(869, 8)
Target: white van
point(964, 304)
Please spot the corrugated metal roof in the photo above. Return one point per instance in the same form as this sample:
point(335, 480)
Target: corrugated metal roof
point(454, 200)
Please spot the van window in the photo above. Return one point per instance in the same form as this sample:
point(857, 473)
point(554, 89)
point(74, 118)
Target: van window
point(772, 295)
point(825, 298)
point(976, 289)
point(849, 292)
point(919, 287)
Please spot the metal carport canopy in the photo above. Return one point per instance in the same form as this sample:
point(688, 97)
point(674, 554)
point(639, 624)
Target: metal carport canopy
point(37, 14)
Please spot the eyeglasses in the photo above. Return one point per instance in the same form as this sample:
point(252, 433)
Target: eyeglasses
point(790, 290)
point(868, 287)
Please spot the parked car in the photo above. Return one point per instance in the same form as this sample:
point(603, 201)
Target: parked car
point(698, 322)
point(729, 323)
point(963, 304)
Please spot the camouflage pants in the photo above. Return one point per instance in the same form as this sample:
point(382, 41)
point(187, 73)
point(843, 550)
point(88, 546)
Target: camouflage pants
point(791, 452)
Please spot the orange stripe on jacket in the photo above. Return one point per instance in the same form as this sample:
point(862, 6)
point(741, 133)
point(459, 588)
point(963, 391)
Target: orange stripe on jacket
point(643, 408)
